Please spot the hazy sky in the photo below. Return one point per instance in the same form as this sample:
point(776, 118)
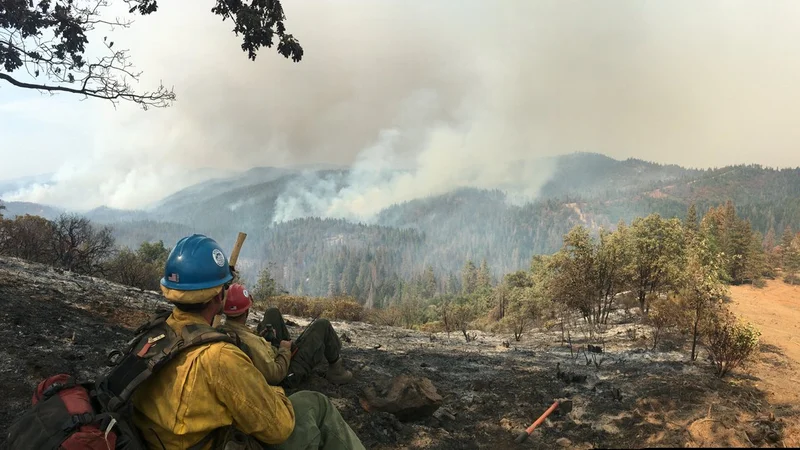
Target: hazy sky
point(459, 90)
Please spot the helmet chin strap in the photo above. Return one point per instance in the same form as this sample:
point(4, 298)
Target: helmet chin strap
point(223, 297)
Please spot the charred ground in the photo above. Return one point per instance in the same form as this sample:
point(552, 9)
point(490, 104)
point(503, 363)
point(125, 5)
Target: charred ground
point(52, 322)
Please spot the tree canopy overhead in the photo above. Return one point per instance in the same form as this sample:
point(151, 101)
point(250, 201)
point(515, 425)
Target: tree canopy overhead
point(48, 40)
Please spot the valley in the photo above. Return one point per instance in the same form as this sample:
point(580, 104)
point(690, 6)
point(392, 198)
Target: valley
point(440, 232)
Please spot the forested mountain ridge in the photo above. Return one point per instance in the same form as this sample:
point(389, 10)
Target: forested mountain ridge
point(369, 260)
point(592, 174)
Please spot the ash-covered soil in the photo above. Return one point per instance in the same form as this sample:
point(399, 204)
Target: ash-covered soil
point(625, 397)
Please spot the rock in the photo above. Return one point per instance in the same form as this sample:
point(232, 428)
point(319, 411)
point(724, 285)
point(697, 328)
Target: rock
point(756, 437)
point(564, 407)
point(345, 338)
point(408, 398)
point(773, 437)
point(506, 424)
point(385, 427)
point(563, 442)
point(443, 414)
point(468, 398)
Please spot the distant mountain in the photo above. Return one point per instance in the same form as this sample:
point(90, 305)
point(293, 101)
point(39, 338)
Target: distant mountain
point(13, 185)
point(107, 215)
point(34, 209)
point(216, 186)
point(370, 261)
point(592, 174)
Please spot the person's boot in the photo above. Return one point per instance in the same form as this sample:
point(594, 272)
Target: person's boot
point(337, 374)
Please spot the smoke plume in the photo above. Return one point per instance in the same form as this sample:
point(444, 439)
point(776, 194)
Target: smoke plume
point(423, 97)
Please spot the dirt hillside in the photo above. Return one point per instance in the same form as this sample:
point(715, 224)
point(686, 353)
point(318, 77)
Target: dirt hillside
point(625, 397)
point(775, 309)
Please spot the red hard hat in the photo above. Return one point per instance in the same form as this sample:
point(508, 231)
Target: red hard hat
point(238, 301)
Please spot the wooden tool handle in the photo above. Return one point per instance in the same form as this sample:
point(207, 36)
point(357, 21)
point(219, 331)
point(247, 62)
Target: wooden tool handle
point(524, 434)
point(236, 248)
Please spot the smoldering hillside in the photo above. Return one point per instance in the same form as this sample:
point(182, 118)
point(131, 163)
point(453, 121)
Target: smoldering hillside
point(318, 243)
point(625, 397)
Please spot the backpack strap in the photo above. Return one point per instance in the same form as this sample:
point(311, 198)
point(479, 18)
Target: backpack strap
point(152, 348)
point(55, 388)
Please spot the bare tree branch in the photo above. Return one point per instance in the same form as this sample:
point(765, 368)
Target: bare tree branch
point(48, 39)
point(160, 98)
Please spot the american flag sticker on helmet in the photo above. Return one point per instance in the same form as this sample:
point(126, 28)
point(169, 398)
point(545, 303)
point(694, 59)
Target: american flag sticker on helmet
point(173, 277)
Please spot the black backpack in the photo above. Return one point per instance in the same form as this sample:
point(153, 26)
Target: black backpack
point(99, 415)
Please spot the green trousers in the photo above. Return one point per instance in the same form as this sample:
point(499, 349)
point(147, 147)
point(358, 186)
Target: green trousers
point(318, 425)
point(318, 343)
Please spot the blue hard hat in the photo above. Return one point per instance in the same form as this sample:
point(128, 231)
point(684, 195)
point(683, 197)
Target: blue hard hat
point(197, 262)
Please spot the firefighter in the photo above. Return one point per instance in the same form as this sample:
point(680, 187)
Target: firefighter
point(215, 386)
point(273, 352)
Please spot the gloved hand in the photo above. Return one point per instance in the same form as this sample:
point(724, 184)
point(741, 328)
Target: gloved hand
point(268, 333)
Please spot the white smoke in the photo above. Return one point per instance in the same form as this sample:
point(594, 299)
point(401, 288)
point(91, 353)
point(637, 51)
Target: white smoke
point(423, 97)
point(450, 159)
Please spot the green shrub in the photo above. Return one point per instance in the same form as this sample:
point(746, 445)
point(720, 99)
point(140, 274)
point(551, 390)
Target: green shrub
point(730, 342)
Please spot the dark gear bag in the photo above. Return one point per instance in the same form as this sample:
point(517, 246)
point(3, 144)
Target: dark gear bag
point(66, 415)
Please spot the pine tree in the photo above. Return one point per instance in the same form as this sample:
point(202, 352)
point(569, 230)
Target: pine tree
point(769, 240)
point(484, 277)
point(690, 223)
point(786, 244)
point(428, 290)
point(452, 287)
point(771, 257)
point(469, 278)
point(791, 261)
point(757, 265)
point(266, 286)
point(739, 240)
point(333, 286)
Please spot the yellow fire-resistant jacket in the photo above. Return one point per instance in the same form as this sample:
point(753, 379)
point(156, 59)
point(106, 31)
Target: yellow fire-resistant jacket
point(205, 388)
point(274, 366)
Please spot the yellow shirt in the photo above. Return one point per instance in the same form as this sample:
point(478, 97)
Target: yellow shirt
point(205, 388)
point(274, 366)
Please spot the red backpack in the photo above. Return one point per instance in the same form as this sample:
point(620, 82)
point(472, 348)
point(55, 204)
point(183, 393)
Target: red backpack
point(66, 415)
point(70, 406)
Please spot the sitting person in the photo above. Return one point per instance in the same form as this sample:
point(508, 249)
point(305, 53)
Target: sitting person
point(214, 387)
point(281, 361)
